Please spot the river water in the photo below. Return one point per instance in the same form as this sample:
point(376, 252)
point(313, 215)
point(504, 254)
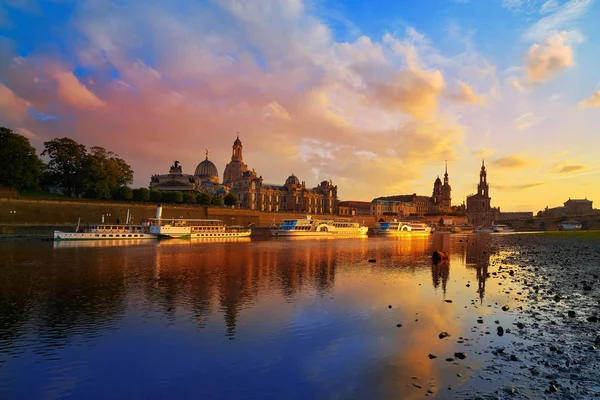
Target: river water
point(291, 319)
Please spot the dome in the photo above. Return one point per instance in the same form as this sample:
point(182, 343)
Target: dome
point(292, 180)
point(206, 170)
point(438, 182)
point(237, 142)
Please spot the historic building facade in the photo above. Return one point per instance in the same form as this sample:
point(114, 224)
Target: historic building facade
point(236, 167)
point(354, 208)
point(440, 202)
point(479, 209)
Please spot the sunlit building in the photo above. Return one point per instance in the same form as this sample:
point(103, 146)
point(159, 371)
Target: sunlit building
point(479, 209)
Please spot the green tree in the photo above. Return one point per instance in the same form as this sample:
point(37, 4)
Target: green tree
point(172, 197)
point(230, 199)
point(66, 164)
point(203, 199)
point(189, 198)
point(141, 194)
point(217, 201)
point(20, 167)
point(104, 173)
point(123, 193)
point(156, 196)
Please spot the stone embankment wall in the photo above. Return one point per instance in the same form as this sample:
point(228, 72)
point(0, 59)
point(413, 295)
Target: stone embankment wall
point(55, 212)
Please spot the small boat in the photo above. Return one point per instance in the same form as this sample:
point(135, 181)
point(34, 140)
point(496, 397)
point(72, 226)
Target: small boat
point(308, 226)
point(102, 231)
point(194, 228)
point(502, 228)
point(483, 229)
point(569, 225)
point(396, 228)
point(462, 228)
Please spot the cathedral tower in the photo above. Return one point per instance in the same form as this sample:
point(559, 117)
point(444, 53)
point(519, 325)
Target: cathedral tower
point(446, 204)
point(236, 166)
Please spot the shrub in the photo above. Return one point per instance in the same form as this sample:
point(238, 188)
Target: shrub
point(155, 196)
point(172, 197)
point(189, 198)
point(141, 194)
point(217, 201)
point(203, 199)
point(123, 193)
point(230, 199)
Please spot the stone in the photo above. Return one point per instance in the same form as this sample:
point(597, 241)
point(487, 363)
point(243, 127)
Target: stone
point(449, 359)
point(500, 331)
point(448, 301)
point(513, 357)
point(432, 356)
point(505, 308)
point(399, 326)
point(417, 386)
point(390, 306)
point(593, 318)
point(444, 335)
point(372, 260)
point(460, 356)
point(571, 314)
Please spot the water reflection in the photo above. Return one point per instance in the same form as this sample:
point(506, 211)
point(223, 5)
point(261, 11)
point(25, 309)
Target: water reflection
point(308, 314)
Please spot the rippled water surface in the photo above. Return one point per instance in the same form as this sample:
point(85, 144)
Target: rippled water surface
point(291, 319)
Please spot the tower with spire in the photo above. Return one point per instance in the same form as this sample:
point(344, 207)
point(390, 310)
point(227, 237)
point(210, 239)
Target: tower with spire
point(479, 208)
point(236, 167)
point(442, 193)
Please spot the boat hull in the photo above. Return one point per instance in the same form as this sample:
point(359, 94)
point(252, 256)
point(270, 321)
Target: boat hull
point(358, 233)
point(60, 235)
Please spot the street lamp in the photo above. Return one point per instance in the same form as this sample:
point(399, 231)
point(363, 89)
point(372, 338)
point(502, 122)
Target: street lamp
point(232, 219)
point(12, 213)
point(108, 218)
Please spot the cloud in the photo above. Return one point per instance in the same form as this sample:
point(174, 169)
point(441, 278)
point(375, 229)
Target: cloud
point(466, 95)
point(549, 6)
point(483, 153)
point(518, 187)
point(562, 18)
point(12, 107)
point(516, 161)
point(72, 91)
point(524, 121)
point(28, 134)
point(543, 62)
point(592, 101)
point(571, 168)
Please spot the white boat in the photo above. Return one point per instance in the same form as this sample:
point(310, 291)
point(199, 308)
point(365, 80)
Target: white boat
point(396, 228)
point(308, 226)
point(502, 228)
point(104, 231)
point(194, 228)
point(569, 225)
point(483, 229)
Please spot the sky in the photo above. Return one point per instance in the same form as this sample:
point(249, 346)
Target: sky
point(373, 95)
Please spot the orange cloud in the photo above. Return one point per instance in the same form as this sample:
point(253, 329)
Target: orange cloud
point(543, 62)
point(516, 161)
point(466, 95)
point(12, 107)
point(592, 101)
point(73, 92)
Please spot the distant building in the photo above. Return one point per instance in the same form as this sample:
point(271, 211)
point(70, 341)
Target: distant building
point(440, 202)
point(513, 216)
point(578, 206)
point(175, 180)
point(354, 208)
point(479, 209)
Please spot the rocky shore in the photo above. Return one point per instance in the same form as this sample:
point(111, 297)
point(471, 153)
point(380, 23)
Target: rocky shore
point(552, 282)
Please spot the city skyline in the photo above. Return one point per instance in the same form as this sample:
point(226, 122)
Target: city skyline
point(374, 98)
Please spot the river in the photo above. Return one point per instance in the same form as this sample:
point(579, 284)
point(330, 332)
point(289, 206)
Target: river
point(293, 319)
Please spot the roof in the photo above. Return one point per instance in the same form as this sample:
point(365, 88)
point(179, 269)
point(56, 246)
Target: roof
point(579, 200)
point(407, 198)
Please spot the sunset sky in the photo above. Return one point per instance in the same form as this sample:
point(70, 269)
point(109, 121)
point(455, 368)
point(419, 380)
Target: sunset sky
point(374, 95)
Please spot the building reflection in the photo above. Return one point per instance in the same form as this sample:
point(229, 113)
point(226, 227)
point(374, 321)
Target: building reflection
point(440, 272)
point(478, 251)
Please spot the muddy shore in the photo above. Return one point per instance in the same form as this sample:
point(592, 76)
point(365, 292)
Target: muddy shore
point(550, 316)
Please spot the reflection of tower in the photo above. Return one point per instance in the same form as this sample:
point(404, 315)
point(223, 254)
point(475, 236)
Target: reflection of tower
point(440, 272)
point(478, 257)
point(235, 287)
point(446, 204)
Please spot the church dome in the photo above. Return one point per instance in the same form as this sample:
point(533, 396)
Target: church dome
point(438, 182)
point(206, 170)
point(292, 180)
point(237, 142)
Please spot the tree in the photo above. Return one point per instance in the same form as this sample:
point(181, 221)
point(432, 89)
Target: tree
point(203, 199)
point(217, 201)
point(141, 194)
point(172, 197)
point(189, 198)
point(66, 164)
point(230, 199)
point(123, 193)
point(155, 196)
point(104, 173)
point(20, 167)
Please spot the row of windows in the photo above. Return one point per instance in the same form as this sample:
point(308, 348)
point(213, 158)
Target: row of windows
point(110, 235)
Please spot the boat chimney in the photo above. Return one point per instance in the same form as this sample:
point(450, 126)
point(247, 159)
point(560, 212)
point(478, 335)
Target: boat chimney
point(158, 211)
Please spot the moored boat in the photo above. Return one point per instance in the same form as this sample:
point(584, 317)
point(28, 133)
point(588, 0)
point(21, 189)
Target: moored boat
point(308, 226)
point(569, 225)
point(462, 228)
point(194, 228)
point(502, 228)
point(396, 228)
point(102, 231)
point(483, 229)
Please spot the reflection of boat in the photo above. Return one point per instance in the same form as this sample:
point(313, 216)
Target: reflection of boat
point(397, 228)
point(199, 241)
point(69, 244)
point(103, 231)
point(314, 227)
point(194, 228)
point(502, 228)
point(462, 228)
point(569, 225)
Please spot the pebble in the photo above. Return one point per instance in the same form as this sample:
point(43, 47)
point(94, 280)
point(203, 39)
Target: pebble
point(460, 356)
point(443, 335)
